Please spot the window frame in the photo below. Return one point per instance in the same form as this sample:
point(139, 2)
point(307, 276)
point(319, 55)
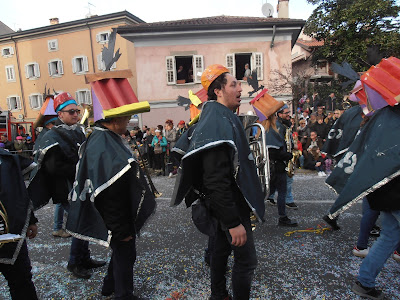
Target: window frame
point(36, 71)
point(100, 34)
point(12, 68)
point(256, 62)
point(39, 99)
point(18, 103)
point(171, 73)
point(49, 42)
point(10, 50)
point(60, 67)
point(85, 65)
point(88, 95)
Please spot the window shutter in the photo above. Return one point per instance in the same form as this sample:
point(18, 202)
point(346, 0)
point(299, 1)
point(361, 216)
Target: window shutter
point(8, 103)
point(31, 101)
point(98, 37)
point(85, 64)
point(230, 63)
point(8, 73)
point(40, 97)
point(26, 71)
point(198, 67)
point(50, 70)
point(11, 50)
point(171, 70)
point(89, 99)
point(257, 64)
point(78, 100)
point(37, 70)
point(60, 67)
point(99, 61)
point(74, 65)
point(18, 100)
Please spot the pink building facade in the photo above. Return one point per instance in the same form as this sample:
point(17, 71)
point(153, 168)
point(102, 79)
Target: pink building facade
point(170, 57)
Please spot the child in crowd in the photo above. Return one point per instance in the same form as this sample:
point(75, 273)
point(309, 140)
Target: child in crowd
point(315, 161)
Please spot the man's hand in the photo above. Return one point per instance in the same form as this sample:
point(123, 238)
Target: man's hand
point(239, 236)
point(318, 164)
point(32, 231)
point(127, 239)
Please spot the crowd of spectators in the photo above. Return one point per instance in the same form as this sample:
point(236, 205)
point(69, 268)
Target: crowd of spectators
point(311, 128)
point(154, 145)
point(22, 145)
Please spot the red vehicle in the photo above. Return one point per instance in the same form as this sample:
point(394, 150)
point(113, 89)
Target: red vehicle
point(13, 128)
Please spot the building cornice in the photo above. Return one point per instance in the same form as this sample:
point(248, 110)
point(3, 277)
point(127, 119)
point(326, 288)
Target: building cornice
point(76, 25)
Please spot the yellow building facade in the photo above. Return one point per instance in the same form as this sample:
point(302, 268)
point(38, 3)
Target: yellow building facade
point(58, 56)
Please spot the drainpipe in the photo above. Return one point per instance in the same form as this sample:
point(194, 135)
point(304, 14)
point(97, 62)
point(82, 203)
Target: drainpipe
point(273, 36)
point(20, 78)
point(91, 46)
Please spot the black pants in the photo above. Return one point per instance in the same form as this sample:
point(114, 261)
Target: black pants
point(278, 183)
point(19, 276)
point(245, 262)
point(159, 161)
point(120, 270)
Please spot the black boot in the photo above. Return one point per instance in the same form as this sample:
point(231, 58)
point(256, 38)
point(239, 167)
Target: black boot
point(331, 222)
point(285, 221)
point(79, 271)
point(91, 263)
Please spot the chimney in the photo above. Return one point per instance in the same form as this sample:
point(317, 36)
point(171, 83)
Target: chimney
point(54, 21)
point(283, 9)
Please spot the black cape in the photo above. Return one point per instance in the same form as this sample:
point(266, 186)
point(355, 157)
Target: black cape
point(68, 139)
point(371, 161)
point(218, 126)
point(14, 197)
point(343, 132)
point(103, 159)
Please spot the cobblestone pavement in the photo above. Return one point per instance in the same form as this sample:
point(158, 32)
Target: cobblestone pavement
point(170, 254)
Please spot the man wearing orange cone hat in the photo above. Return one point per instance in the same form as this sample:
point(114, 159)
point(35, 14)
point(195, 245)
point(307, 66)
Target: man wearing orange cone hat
point(219, 174)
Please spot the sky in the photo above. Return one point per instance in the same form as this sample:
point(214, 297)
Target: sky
point(28, 14)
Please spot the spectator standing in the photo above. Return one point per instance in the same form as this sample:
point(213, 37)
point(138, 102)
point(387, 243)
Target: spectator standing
point(303, 132)
point(330, 104)
point(159, 145)
point(20, 147)
point(321, 128)
point(170, 135)
point(8, 145)
point(181, 129)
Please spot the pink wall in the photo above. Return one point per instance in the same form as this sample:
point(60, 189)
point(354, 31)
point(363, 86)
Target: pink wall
point(151, 66)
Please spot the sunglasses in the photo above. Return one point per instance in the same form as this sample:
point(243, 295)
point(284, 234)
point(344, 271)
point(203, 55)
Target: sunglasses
point(72, 111)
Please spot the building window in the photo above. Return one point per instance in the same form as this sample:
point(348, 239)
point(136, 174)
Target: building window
point(80, 64)
point(235, 63)
point(52, 45)
point(32, 70)
point(83, 97)
point(56, 68)
point(103, 37)
point(14, 103)
point(101, 65)
point(184, 69)
point(10, 73)
point(7, 52)
point(36, 101)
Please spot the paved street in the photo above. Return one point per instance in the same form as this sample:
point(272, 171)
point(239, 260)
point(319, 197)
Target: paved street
point(170, 254)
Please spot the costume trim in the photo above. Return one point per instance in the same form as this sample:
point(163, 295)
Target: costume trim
point(11, 261)
point(91, 239)
point(365, 193)
point(29, 168)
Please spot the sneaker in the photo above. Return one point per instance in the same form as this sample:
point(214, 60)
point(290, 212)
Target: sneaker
point(396, 256)
point(170, 175)
point(61, 233)
point(292, 205)
point(271, 201)
point(360, 253)
point(331, 222)
point(321, 174)
point(363, 291)
point(285, 221)
point(375, 231)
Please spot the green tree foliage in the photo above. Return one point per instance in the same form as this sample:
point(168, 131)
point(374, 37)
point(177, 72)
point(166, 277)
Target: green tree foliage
point(348, 27)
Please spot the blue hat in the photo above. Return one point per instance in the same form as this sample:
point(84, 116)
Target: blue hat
point(28, 138)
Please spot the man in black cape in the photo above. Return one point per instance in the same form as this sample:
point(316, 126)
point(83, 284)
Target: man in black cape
point(218, 170)
point(54, 175)
point(111, 199)
point(16, 217)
